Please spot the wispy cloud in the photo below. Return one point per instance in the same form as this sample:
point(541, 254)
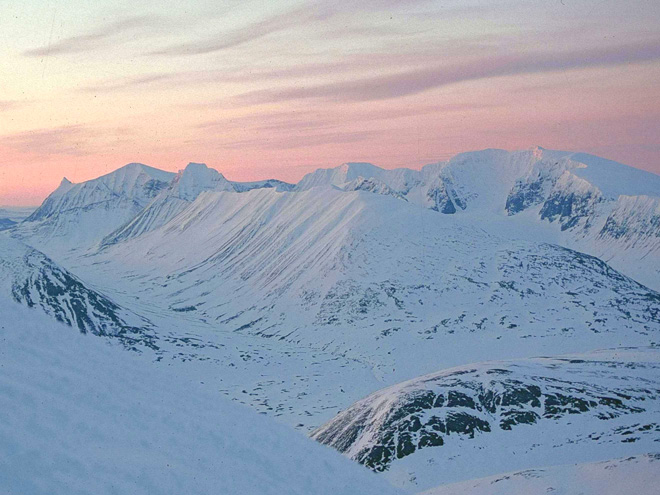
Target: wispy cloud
point(6, 105)
point(308, 119)
point(249, 33)
point(291, 141)
point(419, 80)
point(99, 38)
point(72, 140)
point(133, 82)
point(315, 11)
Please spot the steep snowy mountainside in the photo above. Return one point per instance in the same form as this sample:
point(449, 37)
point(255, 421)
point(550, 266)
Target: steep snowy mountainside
point(616, 179)
point(638, 474)
point(82, 416)
point(196, 178)
point(520, 413)
point(584, 202)
point(602, 207)
point(376, 279)
point(123, 204)
point(32, 279)
point(478, 180)
point(184, 188)
point(77, 215)
point(135, 182)
point(339, 176)
point(188, 184)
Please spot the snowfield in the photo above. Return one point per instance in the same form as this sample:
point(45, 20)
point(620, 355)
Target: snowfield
point(82, 416)
point(637, 474)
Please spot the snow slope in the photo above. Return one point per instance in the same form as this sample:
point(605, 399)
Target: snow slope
point(81, 416)
point(638, 474)
point(188, 184)
point(584, 202)
point(518, 414)
point(375, 279)
point(31, 278)
point(76, 216)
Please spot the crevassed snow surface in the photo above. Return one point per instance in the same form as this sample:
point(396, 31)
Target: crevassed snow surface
point(81, 416)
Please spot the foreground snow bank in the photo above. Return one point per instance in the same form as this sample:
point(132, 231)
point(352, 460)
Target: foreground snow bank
point(80, 415)
point(638, 474)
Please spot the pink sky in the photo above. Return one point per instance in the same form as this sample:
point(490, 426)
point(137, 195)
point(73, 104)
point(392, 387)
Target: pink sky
point(278, 89)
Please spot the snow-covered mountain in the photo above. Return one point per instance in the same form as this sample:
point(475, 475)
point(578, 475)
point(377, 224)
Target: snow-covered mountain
point(184, 188)
point(594, 205)
point(604, 207)
point(34, 280)
point(636, 474)
point(79, 415)
point(582, 405)
point(188, 184)
point(76, 215)
point(122, 204)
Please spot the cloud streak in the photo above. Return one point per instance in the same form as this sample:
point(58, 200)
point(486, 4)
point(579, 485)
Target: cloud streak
point(419, 80)
point(70, 140)
point(316, 11)
point(93, 40)
point(279, 22)
point(6, 105)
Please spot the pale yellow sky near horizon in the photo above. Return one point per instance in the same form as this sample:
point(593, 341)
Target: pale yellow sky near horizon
point(279, 88)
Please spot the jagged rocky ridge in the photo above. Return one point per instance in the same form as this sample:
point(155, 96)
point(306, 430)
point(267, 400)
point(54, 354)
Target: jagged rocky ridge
point(473, 400)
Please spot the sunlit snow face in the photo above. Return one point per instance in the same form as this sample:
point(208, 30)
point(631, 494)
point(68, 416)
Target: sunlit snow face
point(275, 89)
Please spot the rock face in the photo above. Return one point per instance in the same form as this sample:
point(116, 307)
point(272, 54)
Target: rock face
point(374, 186)
point(34, 280)
point(478, 400)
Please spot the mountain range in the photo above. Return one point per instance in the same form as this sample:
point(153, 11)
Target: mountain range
point(418, 321)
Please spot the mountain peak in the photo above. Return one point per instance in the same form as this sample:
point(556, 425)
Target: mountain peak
point(196, 166)
point(65, 186)
point(537, 151)
point(197, 178)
